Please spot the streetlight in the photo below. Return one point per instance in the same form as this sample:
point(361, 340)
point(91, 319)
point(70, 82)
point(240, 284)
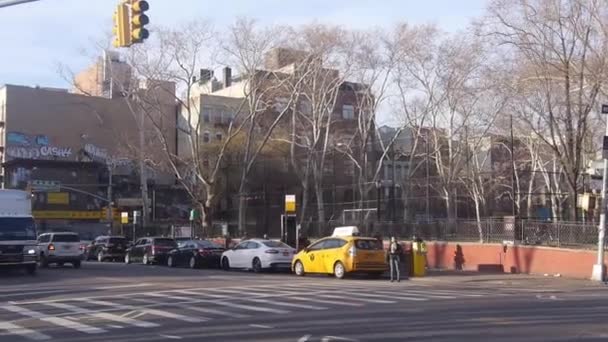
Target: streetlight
point(598, 269)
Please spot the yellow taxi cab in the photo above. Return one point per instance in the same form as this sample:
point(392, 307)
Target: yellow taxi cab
point(342, 253)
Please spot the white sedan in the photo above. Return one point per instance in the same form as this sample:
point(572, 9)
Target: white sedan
point(257, 255)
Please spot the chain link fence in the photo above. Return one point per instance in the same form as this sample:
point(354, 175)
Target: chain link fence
point(490, 230)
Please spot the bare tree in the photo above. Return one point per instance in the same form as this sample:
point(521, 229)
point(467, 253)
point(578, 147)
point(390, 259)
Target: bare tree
point(557, 49)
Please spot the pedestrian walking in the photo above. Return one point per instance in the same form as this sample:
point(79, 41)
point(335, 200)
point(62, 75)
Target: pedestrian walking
point(394, 259)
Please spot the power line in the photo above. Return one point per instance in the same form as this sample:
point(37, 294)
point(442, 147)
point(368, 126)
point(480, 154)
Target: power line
point(7, 3)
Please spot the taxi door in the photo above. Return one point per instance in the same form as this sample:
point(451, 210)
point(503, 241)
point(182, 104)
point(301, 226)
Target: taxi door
point(332, 252)
point(313, 258)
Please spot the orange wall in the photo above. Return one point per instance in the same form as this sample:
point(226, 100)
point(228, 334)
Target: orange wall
point(517, 259)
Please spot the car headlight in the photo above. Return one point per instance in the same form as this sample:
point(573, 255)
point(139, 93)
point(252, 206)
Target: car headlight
point(31, 251)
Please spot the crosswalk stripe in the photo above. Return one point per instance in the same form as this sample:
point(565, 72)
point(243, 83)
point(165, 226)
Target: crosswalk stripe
point(199, 309)
point(388, 295)
point(179, 317)
point(325, 301)
point(104, 315)
point(415, 295)
point(239, 306)
point(193, 308)
point(154, 312)
point(274, 302)
point(23, 311)
point(66, 323)
point(350, 297)
point(126, 320)
point(15, 329)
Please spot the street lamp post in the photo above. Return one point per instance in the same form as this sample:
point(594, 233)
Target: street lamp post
point(599, 269)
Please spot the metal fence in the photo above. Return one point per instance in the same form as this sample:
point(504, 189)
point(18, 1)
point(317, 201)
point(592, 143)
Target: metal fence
point(491, 230)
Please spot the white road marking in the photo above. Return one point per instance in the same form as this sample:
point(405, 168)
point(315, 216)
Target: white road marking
point(15, 329)
point(154, 312)
point(23, 311)
point(274, 302)
point(172, 315)
point(304, 338)
point(261, 326)
point(325, 301)
point(126, 320)
point(386, 295)
point(121, 286)
point(350, 297)
point(171, 337)
point(240, 306)
point(194, 308)
point(337, 338)
point(87, 329)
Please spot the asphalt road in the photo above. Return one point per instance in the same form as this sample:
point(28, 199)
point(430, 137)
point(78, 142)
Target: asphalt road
point(118, 302)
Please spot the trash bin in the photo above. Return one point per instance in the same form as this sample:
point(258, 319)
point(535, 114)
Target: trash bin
point(418, 258)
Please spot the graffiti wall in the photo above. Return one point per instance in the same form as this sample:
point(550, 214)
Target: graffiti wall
point(24, 146)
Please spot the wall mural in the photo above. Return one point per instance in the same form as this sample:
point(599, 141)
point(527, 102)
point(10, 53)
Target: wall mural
point(24, 146)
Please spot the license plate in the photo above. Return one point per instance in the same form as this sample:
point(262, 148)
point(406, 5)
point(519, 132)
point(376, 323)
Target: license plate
point(67, 247)
point(285, 253)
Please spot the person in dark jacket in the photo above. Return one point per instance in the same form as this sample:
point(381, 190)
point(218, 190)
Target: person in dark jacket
point(394, 258)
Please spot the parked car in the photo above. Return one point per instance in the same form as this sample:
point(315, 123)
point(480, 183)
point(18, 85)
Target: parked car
point(342, 253)
point(107, 247)
point(60, 248)
point(258, 255)
point(195, 253)
point(150, 250)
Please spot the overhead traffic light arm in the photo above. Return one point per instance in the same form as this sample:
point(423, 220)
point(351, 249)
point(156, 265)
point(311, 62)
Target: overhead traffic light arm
point(129, 23)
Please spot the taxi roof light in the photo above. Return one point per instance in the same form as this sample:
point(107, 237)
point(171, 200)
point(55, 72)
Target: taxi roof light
point(346, 231)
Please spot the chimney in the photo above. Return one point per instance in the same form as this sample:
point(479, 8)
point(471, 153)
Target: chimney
point(227, 77)
point(205, 75)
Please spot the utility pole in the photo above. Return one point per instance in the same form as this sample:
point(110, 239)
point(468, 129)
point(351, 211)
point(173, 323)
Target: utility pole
point(143, 176)
point(110, 184)
point(599, 269)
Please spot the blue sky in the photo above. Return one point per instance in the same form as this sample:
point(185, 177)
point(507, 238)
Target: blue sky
point(37, 37)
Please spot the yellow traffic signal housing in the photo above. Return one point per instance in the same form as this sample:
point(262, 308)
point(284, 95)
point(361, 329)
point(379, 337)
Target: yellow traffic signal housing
point(122, 34)
point(139, 20)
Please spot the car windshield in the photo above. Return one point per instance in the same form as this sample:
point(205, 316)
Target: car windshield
point(121, 241)
point(207, 244)
point(17, 228)
point(165, 242)
point(368, 244)
point(66, 238)
point(275, 244)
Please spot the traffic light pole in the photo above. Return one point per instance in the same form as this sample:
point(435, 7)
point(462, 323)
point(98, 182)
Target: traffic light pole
point(8, 3)
point(598, 272)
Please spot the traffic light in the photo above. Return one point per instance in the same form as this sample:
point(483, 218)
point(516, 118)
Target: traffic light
point(122, 36)
point(138, 21)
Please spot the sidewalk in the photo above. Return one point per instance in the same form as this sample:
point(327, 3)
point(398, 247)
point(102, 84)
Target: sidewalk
point(506, 280)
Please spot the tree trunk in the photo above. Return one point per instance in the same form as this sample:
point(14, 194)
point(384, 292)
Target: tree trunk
point(205, 218)
point(242, 219)
point(478, 217)
point(573, 194)
point(529, 210)
point(320, 203)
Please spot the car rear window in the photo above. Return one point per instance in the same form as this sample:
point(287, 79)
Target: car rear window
point(165, 242)
point(66, 238)
point(207, 244)
point(368, 244)
point(275, 244)
point(122, 241)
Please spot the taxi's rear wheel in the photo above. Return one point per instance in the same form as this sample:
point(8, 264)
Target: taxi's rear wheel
point(256, 265)
point(298, 268)
point(339, 271)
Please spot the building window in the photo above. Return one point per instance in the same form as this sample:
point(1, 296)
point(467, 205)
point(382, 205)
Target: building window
point(348, 112)
point(206, 137)
point(206, 114)
point(218, 136)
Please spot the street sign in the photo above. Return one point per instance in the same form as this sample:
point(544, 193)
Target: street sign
point(124, 217)
point(193, 215)
point(605, 109)
point(290, 204)
point(136, 216)
point(45, 185)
